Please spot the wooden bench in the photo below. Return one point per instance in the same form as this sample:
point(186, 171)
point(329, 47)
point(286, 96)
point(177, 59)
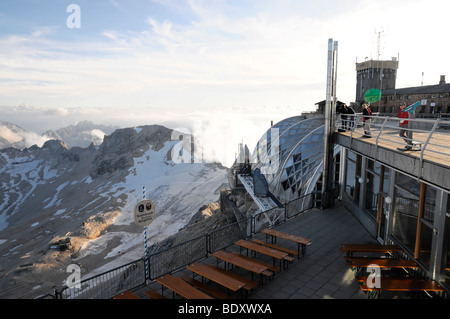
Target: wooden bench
point(220, 278)
point(301, 241)
point(406, 284)
point(126, 295)
point(278, 247)
point(381, 262)
point(359, 263)
point(154, 295)
point(350, 249)
point(204, 287)
point(181, 287)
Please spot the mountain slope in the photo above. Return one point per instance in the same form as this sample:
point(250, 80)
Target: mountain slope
point(89, 194)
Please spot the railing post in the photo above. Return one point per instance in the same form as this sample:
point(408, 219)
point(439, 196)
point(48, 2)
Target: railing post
point(381, 129)
point(208, 243)
point(436, 123)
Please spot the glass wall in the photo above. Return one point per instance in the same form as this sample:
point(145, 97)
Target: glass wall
point(414, 208)
point(352, 185)
point(446, 246)
point(373, 171)
point(350, 176)
point(405, 209)
point(426, 225)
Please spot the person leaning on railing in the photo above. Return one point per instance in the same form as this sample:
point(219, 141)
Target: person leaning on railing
point(403, 116)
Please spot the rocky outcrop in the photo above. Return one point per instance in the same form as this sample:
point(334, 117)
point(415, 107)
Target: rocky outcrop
point(118, 150)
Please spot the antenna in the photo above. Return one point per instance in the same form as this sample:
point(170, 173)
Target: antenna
point(379, 42)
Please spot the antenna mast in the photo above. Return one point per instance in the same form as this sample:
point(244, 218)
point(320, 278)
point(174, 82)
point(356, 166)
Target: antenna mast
point(379, 42)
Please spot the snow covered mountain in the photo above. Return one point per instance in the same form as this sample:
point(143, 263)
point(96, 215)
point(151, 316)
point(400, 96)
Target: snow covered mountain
point(82, 135)
point(89, 194)
point(12, 135)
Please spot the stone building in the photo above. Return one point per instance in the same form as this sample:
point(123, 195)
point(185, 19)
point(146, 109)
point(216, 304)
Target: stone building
point(435, 99)
point(375, 74)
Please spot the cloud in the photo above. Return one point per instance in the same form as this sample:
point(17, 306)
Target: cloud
point(31, 138)
point(243, 62)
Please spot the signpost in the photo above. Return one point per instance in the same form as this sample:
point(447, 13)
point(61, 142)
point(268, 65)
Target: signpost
point(144, 215)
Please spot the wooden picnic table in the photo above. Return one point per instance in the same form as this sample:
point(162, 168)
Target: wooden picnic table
point(401, 284)
point(349, 249)
point(250, 265)
point(301, 241)
point(181, 287)
point(235, 260)
point(216, 276)
point(275, 254)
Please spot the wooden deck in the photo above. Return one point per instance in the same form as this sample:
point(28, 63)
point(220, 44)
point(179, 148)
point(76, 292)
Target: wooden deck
point(437, 150)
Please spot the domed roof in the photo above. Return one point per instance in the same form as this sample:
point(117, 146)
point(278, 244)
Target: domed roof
point(290, 155)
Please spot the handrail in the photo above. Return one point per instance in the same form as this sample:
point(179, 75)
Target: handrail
point(133, 275)
point(387, 128)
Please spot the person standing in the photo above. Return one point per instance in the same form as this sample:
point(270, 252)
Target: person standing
point(347, 116)
point(403, 132)
point(367, 113)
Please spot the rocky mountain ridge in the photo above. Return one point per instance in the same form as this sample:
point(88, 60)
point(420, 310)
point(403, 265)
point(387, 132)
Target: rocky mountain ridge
point(81, 134)
point(52, 192)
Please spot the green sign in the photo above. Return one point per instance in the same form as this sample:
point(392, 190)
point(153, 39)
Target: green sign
point(372, 95)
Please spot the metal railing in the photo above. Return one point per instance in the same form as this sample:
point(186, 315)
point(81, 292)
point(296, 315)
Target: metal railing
point(432, 135)
point(133, 275)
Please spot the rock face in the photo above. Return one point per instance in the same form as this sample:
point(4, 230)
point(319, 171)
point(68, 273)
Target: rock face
point(89, 194)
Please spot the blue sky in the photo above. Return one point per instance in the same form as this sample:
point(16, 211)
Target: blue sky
point(241, 63)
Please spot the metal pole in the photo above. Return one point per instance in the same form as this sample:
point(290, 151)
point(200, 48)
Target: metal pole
point(145, 244)
point(330, 114)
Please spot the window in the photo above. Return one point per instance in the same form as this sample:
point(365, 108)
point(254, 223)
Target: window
point(446, 246)
point(425, 227)
point(352, 185)
point(351, 170)
point(406, 209)
point(372, 187)
point(414, 216)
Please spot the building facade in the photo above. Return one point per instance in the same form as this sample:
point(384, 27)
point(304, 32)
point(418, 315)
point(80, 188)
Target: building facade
point(435, 99)
point(399, 203)
point(375, 74)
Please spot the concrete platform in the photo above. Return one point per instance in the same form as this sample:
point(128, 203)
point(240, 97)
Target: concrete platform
point(323, 272)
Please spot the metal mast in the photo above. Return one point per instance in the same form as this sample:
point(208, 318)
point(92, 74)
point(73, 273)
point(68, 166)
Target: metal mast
point(330, 119)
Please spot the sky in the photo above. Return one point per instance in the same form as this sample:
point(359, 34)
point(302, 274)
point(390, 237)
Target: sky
point(234, 65)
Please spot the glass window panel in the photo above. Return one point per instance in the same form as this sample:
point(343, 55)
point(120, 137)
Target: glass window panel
point(350, 178)
point(446, 246)
point(405, 209)
point(373, 184)
point(426, 237)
